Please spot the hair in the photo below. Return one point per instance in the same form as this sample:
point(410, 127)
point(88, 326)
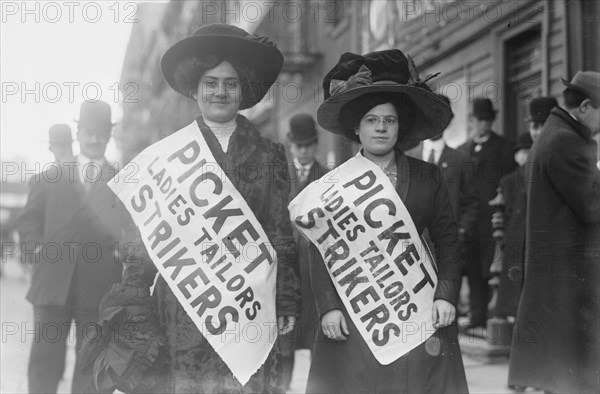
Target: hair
point(574, 98)
point(352, 112)
point(187, 74)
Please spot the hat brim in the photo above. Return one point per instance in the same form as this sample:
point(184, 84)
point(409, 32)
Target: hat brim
point(575, 88)
point(432, 114)
point(84, 123)
point(304, 141)
point(265, 60)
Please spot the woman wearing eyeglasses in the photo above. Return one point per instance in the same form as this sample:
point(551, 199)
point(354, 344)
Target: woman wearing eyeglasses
point(379, 101)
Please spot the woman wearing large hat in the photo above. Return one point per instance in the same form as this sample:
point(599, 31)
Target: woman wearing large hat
point(224, 69)
point(379, 100)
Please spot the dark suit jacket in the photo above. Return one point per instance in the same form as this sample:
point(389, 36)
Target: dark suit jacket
point(484, 170)
point(462, 194)
point(309, 320)
point(78, 233)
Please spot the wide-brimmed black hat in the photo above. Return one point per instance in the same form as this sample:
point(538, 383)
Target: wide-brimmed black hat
point(303, 130)
point(539, 109)
point(585, 82)
point(388, 72)
point(483, 109)
point(95, 115)
point(249, 50)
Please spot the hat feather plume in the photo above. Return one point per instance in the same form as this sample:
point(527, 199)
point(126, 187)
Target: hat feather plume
point(414, 74)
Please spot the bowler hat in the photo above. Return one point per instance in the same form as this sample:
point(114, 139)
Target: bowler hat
point(60, 134)
point(539, 109)
point(95, 115)
point(389, 72)
point(302, 129)
point(587, 83)
point(524, 141)
point(483, 109)
point(232, 43)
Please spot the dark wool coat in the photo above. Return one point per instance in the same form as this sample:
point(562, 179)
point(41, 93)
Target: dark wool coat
point(513, 254)
point(79, 233)
point(434, 366)
point(257, 167)
point(484, 170)
point(308, 325)
point(556, 342)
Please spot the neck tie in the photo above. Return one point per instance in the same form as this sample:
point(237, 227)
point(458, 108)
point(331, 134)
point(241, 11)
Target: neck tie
point(303, 174)
point(91, 172)
point(431, 158)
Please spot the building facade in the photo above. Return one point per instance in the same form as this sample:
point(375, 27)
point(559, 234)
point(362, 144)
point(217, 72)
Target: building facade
point(510, 51)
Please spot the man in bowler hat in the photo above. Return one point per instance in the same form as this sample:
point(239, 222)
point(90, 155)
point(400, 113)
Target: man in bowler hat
point(60, 142)
point(558, 320)
point(73, 223)
point(490, 158)
point(451, 163)
point(304, 169)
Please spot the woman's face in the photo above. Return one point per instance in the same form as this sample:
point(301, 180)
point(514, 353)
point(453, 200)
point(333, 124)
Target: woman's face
point(378, 129)
point(219, 93)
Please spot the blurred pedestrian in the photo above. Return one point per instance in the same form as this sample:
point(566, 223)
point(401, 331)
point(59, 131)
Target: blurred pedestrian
point(303, 138)
point(224, 69)
point(61, 142)
point(380, 101)
point(72, 220)
point(513, 191)
point(556, 346)
point(490, 158)
point(452, 164)
point(539, 110)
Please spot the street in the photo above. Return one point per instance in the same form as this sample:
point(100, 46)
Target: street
point(17, 334)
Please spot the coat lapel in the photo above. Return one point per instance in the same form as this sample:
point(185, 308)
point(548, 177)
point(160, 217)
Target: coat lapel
point(403, 176)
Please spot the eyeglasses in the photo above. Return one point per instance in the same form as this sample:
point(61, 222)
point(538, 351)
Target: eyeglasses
point(372, 120)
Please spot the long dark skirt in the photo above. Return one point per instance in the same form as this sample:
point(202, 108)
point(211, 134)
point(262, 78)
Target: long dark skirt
point(435, 366)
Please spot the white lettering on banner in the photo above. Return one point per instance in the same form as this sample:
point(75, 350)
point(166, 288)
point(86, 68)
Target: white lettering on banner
point(374, 256)
point(208, 246)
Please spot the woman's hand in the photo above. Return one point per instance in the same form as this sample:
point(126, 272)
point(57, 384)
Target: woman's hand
point(285, 324)
point(443, 313)
point(333, 324)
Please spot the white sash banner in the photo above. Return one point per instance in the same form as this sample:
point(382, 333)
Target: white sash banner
point(381, 269)
point(207, 245)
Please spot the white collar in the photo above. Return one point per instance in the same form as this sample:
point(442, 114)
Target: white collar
point(482, 140)
point(305, 167)
point(227, 127)
point(437, 145)
point(83, 160)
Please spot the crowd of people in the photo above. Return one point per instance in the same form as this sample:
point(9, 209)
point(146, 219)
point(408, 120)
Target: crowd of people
point(92, 263)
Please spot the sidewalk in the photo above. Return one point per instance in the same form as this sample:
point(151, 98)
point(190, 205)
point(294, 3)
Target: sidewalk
point(16, 319)
point(16, 316)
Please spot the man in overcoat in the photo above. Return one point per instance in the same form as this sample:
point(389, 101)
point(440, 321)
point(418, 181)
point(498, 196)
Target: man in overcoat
point(556, 343)
point(73, 221)
point(490, 158)
point(304, 169)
